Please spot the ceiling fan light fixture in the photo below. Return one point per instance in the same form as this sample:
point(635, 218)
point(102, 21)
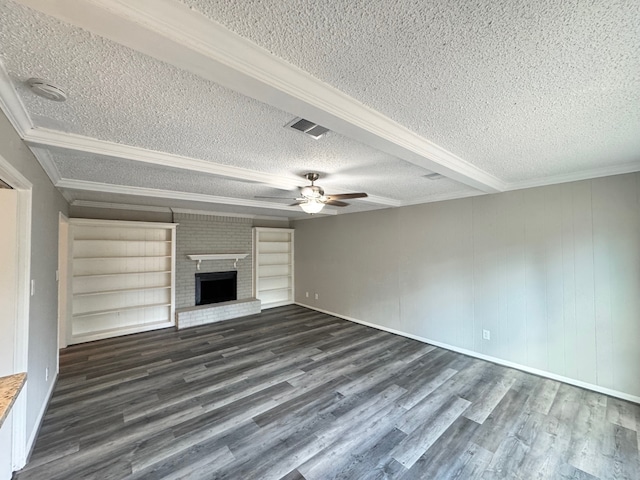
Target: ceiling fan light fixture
point(312, 206)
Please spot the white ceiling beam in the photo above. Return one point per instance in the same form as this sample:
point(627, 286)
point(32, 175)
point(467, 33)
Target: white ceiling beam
point(37, 138)
point(84, 185)
point(172, 32)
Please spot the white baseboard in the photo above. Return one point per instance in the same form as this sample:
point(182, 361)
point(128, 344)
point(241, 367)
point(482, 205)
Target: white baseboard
point(488, 358)
point(36, 427)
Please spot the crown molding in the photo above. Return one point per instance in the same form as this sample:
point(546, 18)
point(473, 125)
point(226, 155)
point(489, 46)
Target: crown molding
point(189, 211)
point(174, 33)
point(119, 206)
point(46, 161)
point(152, 208)
point(441, 197)
point(53, 138)
point(70, 184)
point(41, 137)
point(576, 176)
point(11, 104)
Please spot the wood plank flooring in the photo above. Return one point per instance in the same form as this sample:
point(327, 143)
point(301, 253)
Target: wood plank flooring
point(297, 394)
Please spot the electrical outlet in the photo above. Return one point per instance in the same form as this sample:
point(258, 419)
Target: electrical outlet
point(46, 374)
point(307, 294)
point(486, 335)
point(316, 296)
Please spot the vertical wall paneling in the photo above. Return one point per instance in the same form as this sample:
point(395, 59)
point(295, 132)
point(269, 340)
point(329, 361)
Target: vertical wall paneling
point(513, 233)
point(444, 287)
point(555, 280)
point(553, 272)
point(372, 276)
point(536, 234)
point(570, 348)
point(605, 229)
point(617, 287)
point(585, 336)
point(486, 272)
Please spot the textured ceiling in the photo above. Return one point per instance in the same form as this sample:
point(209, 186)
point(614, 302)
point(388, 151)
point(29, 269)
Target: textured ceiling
point(119, 95)
point(89, 167)
point(525, 91)
point(521, 89)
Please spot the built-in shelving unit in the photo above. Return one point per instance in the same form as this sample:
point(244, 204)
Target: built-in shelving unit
point(273, 281)
point(122, 278)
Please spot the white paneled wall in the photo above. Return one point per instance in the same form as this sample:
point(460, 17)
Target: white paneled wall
point(552, 272)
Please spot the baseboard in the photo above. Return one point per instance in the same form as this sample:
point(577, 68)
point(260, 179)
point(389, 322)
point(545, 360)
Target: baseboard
point(488, 358)
point(36, 428)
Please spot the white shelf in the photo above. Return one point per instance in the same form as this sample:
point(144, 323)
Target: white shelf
point(217, 256)
point(147, 272)
point(117, 240)
point(116, 257)
point(275, 289)
point(120, 290)
point(269, 277)
point(121, 309)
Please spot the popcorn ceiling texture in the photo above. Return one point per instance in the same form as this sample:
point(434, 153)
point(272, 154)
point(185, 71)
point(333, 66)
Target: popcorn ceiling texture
point(119, 95)
point(406, 183)
point(521, 89)
point(201, 234)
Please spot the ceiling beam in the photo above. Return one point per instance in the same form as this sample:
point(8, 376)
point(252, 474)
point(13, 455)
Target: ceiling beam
point(37, 138)
point(172, 32)
point(88, 186)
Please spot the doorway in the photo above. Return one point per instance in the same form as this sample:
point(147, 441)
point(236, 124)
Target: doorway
point(15, 204)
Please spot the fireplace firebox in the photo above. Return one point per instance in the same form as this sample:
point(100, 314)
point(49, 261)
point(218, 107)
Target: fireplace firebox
point(216, 287)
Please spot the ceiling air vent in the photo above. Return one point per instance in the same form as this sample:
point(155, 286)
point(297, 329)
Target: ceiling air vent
point(433, 176)
point(305, 126)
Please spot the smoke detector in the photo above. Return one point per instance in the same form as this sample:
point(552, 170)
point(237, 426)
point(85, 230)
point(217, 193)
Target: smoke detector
point(314, 130)
point(46, 90)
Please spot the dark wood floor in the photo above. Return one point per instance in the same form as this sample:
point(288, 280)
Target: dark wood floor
point(297, 394)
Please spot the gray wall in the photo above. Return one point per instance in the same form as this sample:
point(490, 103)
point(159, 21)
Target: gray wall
point(553, 272)
point(43, 322)
point(201, 234)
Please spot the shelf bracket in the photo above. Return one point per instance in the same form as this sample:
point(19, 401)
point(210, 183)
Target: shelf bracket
point(198, 264)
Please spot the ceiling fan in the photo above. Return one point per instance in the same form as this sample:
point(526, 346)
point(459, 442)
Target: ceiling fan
point(313, 199)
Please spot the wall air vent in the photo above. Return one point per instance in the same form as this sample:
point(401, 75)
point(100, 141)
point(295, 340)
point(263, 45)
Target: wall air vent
point(305, 126)
point(433, 176)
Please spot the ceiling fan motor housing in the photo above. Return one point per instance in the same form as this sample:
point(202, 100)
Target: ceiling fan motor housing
point(312, 191)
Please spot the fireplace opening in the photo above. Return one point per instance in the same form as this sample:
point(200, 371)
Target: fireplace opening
point(216, 287)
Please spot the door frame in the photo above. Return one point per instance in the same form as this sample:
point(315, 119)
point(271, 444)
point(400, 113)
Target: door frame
point(23, 187)
point(64, 289)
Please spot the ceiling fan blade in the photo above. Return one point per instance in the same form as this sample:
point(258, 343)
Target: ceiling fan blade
point(336, 203)
point(297, 204)
point(340, 196)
